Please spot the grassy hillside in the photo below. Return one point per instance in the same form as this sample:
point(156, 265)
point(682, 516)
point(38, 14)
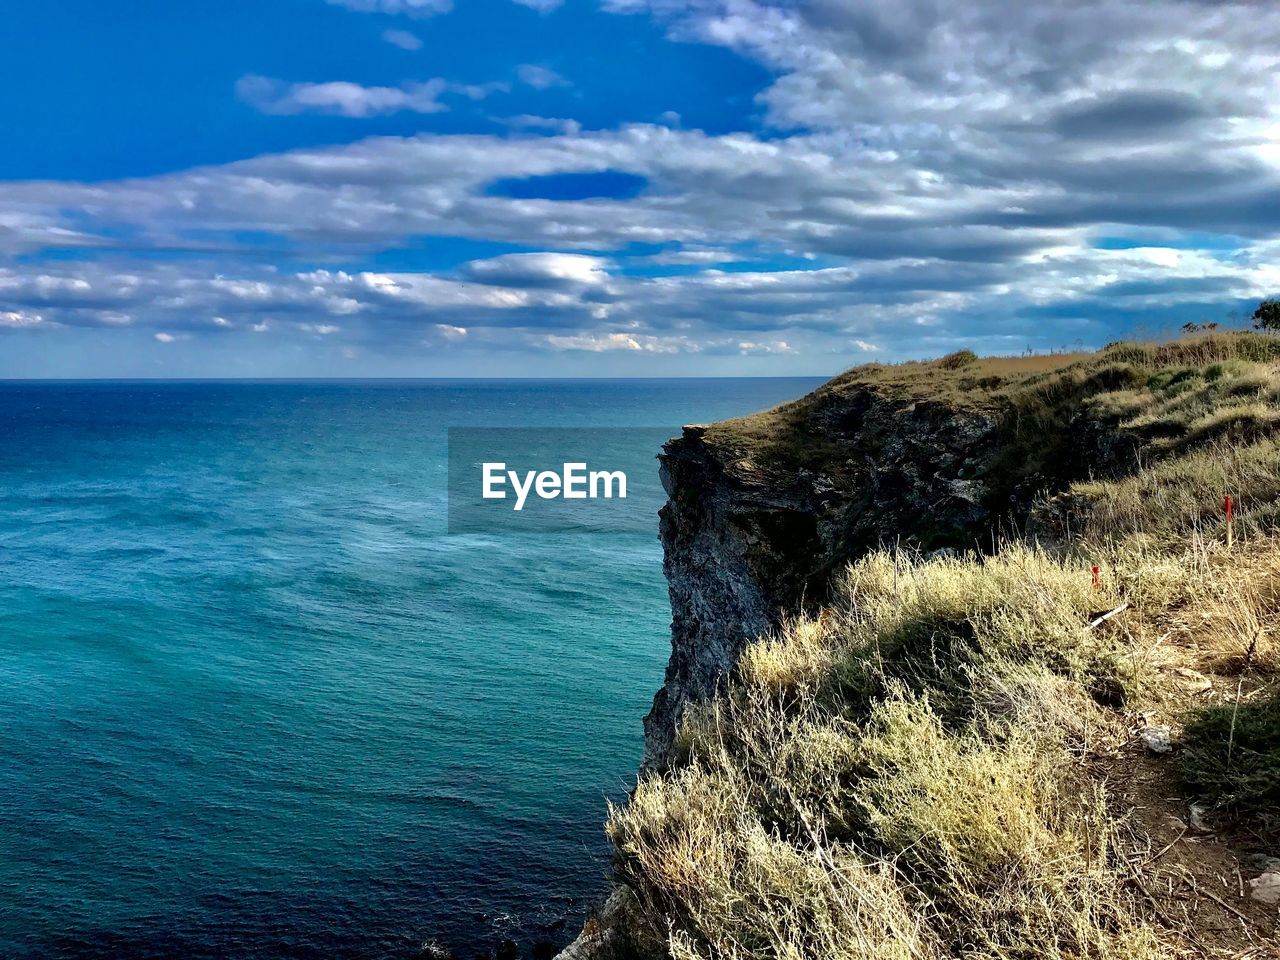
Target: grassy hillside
point(964, 756)
point(1176, 394)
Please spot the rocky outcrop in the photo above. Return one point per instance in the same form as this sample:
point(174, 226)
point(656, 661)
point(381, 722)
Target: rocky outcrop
point(750, 535)
point(748, 540)
point(761, 512)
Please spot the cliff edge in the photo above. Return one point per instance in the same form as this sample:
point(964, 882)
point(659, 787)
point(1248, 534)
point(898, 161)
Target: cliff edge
point(938, 456)
point(967, 659)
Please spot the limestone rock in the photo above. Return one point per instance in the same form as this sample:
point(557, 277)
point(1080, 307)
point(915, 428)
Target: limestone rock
point(1262, 863)
point(1193, 680)
point(1156, 739)
point(1266, 888)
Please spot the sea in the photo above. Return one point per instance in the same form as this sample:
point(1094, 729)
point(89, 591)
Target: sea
point(258, 700)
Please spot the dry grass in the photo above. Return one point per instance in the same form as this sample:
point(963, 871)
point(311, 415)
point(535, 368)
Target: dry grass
point(1173, 500)
point(912, 774)
point(921, 746)
point(714, 879)
point(898, 619)
point(920, 771)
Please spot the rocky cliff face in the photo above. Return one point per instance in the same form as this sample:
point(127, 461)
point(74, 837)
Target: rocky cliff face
point(954, 453)
point(753, 531)
point(746, 543)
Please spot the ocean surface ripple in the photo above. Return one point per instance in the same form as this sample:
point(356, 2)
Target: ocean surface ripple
point(254, 702)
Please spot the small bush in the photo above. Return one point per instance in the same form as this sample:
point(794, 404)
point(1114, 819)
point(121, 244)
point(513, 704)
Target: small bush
point(725, 862)
point(1225, 368)
point(954, 361)
point(1119, 404)
point(1239, 424)
point(1125, 351)
point(1012, 854)
point(1118, 376)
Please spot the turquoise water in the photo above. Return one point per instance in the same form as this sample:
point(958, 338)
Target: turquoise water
point(254, 702)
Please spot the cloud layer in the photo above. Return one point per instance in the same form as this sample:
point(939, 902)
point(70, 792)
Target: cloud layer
point(925, 174)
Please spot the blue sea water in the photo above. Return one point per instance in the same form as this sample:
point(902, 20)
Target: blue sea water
point(254, 700)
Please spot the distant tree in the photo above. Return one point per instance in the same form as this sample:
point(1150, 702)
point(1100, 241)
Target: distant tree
point(1210, 326)
point(1267, 316)
point(1190, 327)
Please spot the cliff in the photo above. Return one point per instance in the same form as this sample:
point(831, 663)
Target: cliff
point(901, 559)
point(745, 543)
point(762, 511)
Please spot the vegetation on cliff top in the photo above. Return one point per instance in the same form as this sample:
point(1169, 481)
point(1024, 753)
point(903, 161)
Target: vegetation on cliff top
point(1186, 391)
point(956, 756)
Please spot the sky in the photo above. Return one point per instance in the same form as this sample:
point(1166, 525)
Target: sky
point(219, 188)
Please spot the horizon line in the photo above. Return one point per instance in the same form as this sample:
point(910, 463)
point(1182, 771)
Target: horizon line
point(321, 379)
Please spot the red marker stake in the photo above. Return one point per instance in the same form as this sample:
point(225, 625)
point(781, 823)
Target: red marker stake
point(1097, 582)
point(1228, 505)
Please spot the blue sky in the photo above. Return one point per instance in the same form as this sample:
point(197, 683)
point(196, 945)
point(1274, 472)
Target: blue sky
point(623, 187)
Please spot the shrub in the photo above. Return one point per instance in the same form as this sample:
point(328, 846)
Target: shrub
point(1012, 853)
point(954, 361)
point(1118, 376)
point(723, 863)
point(1125, 351)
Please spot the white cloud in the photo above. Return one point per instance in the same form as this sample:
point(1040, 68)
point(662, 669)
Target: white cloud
point(14, 319)
point(526, 121)
point(413, 8)
point(576, 302)
point(609, 342)
point(700, 256)
point(750, 347)
point(542, 6)
point(539, 77)
point(165, 337)
point(340, 97)
point(402, 39)
point(478, 91)
point(540, 269)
